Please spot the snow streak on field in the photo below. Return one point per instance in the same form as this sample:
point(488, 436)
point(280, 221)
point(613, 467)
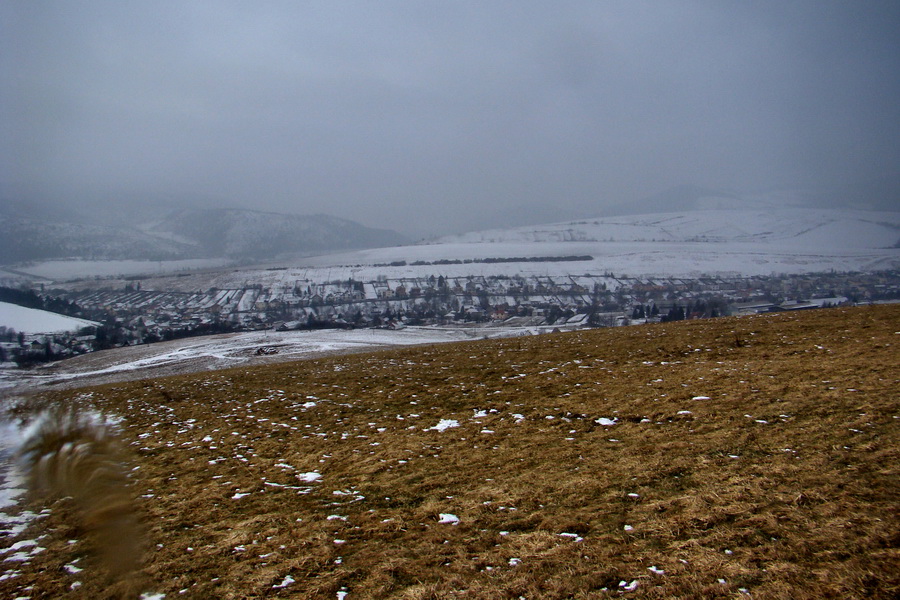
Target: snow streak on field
point(231, 350)
point(14, 519)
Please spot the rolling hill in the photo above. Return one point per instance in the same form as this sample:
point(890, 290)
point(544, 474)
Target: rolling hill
point(180, 234)
point(257, 235)
point(721, 241)
point(27, 239)
point(800, 228)
point(735, 457)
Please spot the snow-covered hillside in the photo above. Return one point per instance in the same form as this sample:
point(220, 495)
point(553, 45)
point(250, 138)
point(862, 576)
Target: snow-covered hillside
point(714, 242)
point(791, 227)
point(745, 242)
point(33, 321)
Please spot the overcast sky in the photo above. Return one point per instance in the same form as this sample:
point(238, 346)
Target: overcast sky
point(420, 115)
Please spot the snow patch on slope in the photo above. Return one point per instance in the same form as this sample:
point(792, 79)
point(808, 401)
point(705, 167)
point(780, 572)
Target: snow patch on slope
point(32, 321)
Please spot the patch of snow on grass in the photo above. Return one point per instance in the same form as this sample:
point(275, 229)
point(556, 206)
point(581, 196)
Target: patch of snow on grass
point(444, 424)
point(12, 485)
point(288, 580)
point(72, 569)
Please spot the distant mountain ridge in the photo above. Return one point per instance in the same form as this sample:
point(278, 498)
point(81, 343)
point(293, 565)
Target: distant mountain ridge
point(181, 234)
point(25, 239)
point(883, 195)
point(238, 233)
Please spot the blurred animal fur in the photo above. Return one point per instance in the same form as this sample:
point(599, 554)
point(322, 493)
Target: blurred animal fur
point(67, 453)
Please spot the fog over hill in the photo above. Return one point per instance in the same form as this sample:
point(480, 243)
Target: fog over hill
point(878, 195)
point(252, 234)
point(35, 232)
point(437, 118)
point(871, 195)
point(30, 239)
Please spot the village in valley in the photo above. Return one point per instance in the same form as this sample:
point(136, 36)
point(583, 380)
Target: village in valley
point(133, 314)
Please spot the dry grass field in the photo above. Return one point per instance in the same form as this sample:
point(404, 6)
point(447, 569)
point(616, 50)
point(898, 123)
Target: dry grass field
point(751, 457)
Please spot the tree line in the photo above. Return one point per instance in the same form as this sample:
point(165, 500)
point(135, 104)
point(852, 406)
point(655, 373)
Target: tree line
point(31, 299)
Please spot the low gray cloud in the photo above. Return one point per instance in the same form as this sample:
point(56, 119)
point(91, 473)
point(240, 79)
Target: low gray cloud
point(424, 115)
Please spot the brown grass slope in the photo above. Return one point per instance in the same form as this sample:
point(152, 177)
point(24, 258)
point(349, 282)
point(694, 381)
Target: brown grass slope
point(754, 455)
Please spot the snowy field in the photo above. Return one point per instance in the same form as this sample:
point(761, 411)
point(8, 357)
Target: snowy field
point(658, 259)
point(62, 270)
point(709, 242)
point(33, 321)
point(811, 229)
point(623, 259)
point(228, 350)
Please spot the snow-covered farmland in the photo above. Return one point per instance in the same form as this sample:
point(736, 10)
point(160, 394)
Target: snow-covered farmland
point(62, 270)
point(33, 321)
point(711, 242)
point(798, 228)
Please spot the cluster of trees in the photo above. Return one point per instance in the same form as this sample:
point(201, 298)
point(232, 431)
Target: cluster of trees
point(704, 309)
point(645, 312)
point(51, 348)
point(10, 335)
point(43, 349)
point(31, 299)
point(213, 328)
point(469, 261)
